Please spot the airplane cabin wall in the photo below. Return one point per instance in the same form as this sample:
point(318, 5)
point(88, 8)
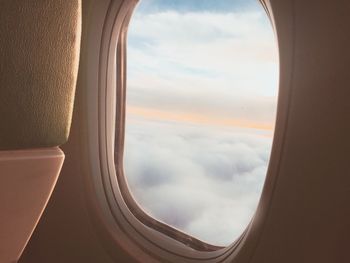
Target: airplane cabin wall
point(304, 213)
point(308, 215)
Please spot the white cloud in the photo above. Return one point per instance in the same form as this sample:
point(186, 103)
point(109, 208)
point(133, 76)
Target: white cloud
point(222, 43)
point(205, 181)
point(212, 63)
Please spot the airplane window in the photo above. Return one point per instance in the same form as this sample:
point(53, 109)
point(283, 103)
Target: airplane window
point(200, 113)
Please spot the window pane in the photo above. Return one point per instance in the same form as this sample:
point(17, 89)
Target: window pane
point(201, 102)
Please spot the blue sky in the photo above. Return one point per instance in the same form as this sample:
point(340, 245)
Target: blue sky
point(222, 6)
point(201, 103)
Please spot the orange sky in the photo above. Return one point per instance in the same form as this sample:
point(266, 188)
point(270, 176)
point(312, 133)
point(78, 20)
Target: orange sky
point(196, 118)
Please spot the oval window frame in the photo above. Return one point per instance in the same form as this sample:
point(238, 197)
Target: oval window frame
point(108, 178)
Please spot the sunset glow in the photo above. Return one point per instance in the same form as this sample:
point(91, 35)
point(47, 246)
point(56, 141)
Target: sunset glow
point(160, 115)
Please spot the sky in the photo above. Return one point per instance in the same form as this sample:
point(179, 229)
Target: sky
point(201, 102)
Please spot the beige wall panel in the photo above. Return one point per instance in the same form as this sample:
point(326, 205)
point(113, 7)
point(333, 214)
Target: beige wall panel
point(27, 178)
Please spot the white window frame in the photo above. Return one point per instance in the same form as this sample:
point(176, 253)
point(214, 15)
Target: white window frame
point(119, 219)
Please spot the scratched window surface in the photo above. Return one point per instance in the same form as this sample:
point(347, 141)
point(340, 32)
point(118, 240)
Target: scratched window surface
point(201, 102)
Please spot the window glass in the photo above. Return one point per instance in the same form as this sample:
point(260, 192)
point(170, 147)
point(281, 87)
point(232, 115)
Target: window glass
point(201, 102)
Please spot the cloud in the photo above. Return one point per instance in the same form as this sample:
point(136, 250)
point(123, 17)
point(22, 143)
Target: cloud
point(219, 64)
point(235, 40)
point(203, 180)
point(193, 64)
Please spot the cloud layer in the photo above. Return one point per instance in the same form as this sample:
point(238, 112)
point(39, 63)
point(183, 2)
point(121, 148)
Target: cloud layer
point(205, 181)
